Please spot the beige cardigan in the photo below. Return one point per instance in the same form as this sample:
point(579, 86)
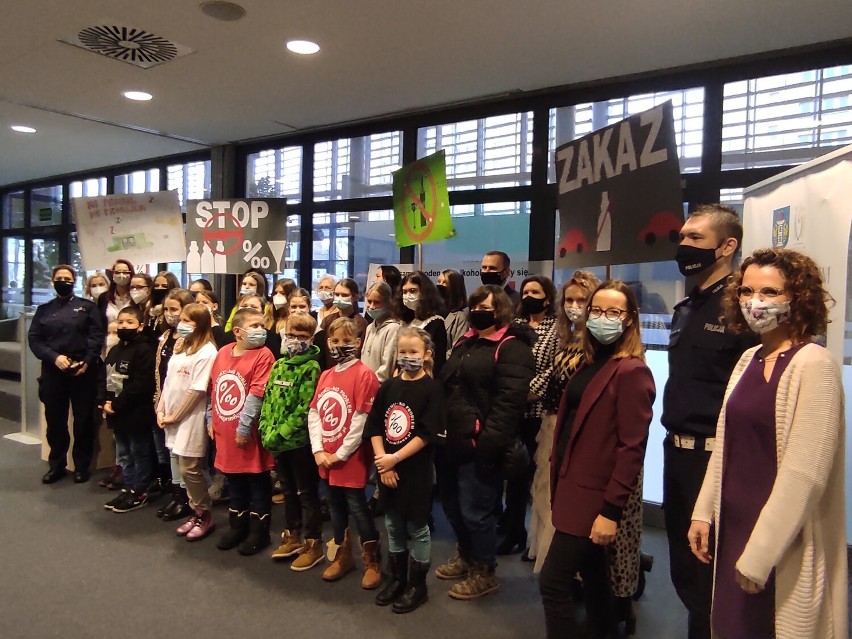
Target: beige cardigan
point(801, 530)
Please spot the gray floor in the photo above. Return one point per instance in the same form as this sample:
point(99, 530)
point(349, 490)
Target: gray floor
point(72, 569)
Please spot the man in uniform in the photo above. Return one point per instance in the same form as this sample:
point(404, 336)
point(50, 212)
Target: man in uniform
point(67, 335)
point(495, 269)
point(702, 354)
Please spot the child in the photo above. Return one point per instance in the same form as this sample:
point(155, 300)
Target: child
point(114, 480)
point(211, 301)
point(406, 418)
point(344, 396)
point(284, 430)
point(180, 412)
point(129, 409)
point(237, 383)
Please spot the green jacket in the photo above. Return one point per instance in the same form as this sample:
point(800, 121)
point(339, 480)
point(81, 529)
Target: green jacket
point(287, 399)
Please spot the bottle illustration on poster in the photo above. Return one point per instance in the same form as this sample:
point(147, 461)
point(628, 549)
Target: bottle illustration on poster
point(193, 258)
point(604, 240)
point(220, 261)
point(207, 263)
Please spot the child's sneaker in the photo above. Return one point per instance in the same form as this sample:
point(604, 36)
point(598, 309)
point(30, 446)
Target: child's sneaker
point(133, 501)
point(118, 500)
point(309, 556)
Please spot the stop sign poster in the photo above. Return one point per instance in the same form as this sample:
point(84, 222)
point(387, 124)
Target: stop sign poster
point(421, 205)
point(234, 236)
point(620, 199)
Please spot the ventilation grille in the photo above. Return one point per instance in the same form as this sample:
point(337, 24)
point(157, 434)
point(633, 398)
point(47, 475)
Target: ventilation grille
point(128, 44)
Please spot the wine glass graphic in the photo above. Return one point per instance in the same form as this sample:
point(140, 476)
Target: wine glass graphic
point(277, 248)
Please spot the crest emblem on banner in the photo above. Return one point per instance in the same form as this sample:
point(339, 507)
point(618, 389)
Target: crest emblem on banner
point(780, 227)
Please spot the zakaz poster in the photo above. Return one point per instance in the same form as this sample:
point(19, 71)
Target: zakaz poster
point(620, 199)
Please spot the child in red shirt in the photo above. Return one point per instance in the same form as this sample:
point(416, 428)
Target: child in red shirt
point(343, 398)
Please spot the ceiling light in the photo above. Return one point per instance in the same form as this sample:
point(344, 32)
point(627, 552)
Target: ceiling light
point(20, 128)
point(225, 11)
point(304, 47)
point(138, 96)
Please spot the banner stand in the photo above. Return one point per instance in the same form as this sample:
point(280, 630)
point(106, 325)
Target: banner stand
point(30, 433)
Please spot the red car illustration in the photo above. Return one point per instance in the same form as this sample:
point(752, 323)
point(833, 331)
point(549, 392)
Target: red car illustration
point(574, 242)
point(664, 224)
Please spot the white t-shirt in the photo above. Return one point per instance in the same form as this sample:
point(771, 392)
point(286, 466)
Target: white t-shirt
point(188, 372)
point(113, 308)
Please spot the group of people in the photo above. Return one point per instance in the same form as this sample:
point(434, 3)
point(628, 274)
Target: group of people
point(512, 399)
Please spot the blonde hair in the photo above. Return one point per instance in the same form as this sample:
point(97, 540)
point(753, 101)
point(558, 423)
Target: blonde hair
point(203, 332)
point(342, 325)
point(423, 336)
point(301, 322)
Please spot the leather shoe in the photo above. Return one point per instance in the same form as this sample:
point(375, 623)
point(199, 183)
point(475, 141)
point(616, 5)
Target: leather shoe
point(53, 475)
point(81, 476)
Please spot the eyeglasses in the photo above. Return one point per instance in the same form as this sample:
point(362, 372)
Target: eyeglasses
point(767, 292)
point(610, 313)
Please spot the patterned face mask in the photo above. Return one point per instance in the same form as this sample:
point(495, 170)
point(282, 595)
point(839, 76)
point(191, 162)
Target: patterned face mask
point(764, 315)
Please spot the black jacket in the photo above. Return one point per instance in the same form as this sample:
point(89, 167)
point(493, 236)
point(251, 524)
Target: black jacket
point(71, 327)
point(487, 392)
point(129, 385)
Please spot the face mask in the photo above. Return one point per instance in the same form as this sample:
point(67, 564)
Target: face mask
point(295, 346)
point(491, 278)
point(279, 301)
point(482, 320)
point(112, 340)
point(532, 305)
point(158, 295)
point(172, 320)
point(341, 354)
point(139, 296)
point(126, 334)
point(604, 330)
point(375, 313)
point(299, 311)
point(184, 330)
point(409, 364)
point(97, 291)
point(692, 260)
point(121, 279)
point(255, 337)
point(411, 300)
point(574, 314)
point(325, 296)
point(444, 292)
point(343, 303)
point(245, 290)
point(63, 289)
point(763, 316)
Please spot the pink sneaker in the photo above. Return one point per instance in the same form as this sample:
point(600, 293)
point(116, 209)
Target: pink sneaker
point(204, 525)
point(189, 524)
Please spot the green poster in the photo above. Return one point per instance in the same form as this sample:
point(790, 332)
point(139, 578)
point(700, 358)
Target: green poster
point(421, 205)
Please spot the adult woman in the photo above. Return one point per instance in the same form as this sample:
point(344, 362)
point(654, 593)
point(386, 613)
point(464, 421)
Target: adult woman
point(280, 306)
point(118, 295)
point(96, 285)
point(325, 293)
point(598, 452)
point(379, 349)
point(420, 305)
point(537, 311)
point(252, 283)
point(487, 380)
point(774, 485)
point(451, 288)
point(346, 297)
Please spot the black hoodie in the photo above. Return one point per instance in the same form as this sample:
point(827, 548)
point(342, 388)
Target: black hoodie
point(129, 385)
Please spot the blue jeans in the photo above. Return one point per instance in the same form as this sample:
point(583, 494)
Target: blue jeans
point(250, 492)
point(135, 454)
point(468, 496)
point(400, 530)
point(344, 502)
point(159, 436)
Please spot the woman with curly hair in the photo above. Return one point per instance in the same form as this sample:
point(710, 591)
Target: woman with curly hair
point(774, 485)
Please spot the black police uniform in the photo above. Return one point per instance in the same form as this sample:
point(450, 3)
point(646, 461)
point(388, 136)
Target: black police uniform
point(73, 327)
point(702, 354)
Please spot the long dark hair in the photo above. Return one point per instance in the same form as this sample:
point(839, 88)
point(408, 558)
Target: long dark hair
point(391, 276)
point(549, 295)
point(430, 302)
point(456, 291)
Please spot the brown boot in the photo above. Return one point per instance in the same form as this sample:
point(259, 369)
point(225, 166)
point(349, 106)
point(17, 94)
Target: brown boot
point(481, 581)
point(372, 560)
point(343, 562)
point(291, 544)
point(309, 556)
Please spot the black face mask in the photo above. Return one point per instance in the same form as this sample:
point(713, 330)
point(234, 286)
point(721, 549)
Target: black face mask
point(126, 334)
point(158, 295)
point(692, 260)
point(491, 278)
point(533, 305)
point(63, 289)
point(444, 292)
point(482, 320)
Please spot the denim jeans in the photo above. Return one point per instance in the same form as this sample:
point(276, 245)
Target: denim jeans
point(159, 436)
point(297, 472)
point(250, 492)
point(136, 451)
point(468, 496)
point(400, 531)
point(350, 501)
point(177, 478)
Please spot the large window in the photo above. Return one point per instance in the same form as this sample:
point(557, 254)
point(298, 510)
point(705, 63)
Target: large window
point(14, 276)
point(46, 206)
point(138, 182)
point(275, 173)
point(356, 167)
point(191, 180)
point(13, 210)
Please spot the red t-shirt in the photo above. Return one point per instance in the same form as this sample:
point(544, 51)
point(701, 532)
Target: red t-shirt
point(231, 381)
point(339, 394)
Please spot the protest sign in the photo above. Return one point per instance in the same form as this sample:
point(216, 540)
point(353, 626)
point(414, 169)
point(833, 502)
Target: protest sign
point(421, 204)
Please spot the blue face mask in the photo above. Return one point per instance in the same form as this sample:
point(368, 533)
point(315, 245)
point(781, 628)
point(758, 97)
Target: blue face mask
point(604, 330)
point(343, 302)
point(245, 290)
point(255, 337)
point(375, 313)
point(184, 330)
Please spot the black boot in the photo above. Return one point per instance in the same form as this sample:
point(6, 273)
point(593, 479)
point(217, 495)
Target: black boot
point(178, 507)
point(512, 542)
point(395, 586)
point(162, 509)
point(258, 535)
point(415, 593)
point(623, 609)
point(238, 531)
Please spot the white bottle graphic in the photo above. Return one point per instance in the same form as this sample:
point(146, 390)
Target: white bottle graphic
point(220, 260)
point(193, 259)
point(604, 239)
point(207, 263)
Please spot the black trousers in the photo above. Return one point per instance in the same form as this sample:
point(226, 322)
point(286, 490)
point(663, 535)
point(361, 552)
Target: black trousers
point(567, 556)
point(251, 491)
point(513, 520)
point(297, 472)
point(58, 390)
point(683, 473)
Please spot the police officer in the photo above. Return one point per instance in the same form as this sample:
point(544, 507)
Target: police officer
point(67, 335)
point(702, 354)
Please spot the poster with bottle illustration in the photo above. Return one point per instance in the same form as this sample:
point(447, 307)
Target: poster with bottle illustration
point(140, 227)
point(620, 199)
point(234, 236)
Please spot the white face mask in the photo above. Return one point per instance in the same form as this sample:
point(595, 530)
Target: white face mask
point(763, 315)
point(325, 296)
point(279, 301)
point(139, 296)
point(121, 279)
point(97, 291)
point(111, 340)
point(411, 300)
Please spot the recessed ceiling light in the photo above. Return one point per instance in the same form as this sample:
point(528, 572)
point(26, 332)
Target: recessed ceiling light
point(20, 128)
point(225, 11)
point(304, 47)
point(138, 96)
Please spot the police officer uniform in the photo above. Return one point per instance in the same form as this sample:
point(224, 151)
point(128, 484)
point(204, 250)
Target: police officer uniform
point(73, 327)
point(702, 354)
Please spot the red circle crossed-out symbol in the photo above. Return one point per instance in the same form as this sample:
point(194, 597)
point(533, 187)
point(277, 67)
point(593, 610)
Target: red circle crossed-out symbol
point(430, 214)
point(230, 233)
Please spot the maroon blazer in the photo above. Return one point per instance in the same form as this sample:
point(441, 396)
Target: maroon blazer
point(606, 448)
